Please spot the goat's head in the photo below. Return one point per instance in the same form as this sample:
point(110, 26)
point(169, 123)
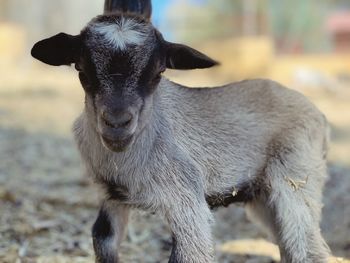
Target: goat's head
point(120, 59)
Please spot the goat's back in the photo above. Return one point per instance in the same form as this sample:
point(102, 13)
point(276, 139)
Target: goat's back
point(231, 131)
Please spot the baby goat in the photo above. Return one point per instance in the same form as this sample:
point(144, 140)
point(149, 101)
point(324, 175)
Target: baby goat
point(156, 145)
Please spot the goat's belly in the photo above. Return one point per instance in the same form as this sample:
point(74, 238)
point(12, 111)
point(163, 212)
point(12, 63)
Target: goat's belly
point(239, 194)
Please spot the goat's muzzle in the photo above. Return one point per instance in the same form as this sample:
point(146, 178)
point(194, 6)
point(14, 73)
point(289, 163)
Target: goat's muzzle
point(117, 130)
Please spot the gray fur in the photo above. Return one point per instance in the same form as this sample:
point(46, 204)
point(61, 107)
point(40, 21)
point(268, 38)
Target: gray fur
point(204, 141)
point(191, 143)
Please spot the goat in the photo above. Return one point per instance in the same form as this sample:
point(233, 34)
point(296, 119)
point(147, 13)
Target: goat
point(162, 147)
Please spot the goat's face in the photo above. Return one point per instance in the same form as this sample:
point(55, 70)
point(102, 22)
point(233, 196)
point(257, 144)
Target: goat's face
point(120, 59)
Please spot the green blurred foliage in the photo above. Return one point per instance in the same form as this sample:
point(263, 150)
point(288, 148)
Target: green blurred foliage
point(292, 23)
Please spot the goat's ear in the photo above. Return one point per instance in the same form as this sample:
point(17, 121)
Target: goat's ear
point(184, 57)
point(61, 49)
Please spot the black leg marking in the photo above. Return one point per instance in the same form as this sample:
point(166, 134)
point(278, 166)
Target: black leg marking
point(102, 231)
point(173, 256)
point(102, 227)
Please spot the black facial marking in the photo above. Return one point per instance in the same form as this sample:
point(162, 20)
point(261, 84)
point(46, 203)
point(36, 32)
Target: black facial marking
point(151, 74)
point(88, 73)
point(120, 66)
point(241, 194)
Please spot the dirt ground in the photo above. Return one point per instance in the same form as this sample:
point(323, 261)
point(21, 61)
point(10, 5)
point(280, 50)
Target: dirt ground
point(47, 206)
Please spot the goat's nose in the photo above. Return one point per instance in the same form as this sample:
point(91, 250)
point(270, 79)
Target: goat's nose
point(118, 120)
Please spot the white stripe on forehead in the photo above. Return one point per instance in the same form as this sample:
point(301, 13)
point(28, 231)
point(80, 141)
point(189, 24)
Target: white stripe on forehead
point(121, 33)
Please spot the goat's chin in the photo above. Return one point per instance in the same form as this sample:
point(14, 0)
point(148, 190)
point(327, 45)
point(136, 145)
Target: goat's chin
point(117, 145)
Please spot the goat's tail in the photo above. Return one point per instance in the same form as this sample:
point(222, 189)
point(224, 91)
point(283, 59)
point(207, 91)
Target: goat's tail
point(140, 7)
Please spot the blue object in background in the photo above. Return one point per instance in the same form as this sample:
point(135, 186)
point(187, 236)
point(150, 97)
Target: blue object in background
point(161, 9)
point(159, 19)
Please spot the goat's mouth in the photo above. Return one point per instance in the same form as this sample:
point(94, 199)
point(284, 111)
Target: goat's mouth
point(117, 145)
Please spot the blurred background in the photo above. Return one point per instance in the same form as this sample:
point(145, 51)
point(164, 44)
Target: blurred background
point(47, 206)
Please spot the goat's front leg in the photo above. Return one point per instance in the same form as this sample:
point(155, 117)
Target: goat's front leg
point(190, 223)
point(109, 230)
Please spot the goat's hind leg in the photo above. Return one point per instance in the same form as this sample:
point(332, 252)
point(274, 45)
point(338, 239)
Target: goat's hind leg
point(290, 209)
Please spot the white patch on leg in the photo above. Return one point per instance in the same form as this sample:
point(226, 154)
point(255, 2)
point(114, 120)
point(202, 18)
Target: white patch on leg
point(121, 33)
